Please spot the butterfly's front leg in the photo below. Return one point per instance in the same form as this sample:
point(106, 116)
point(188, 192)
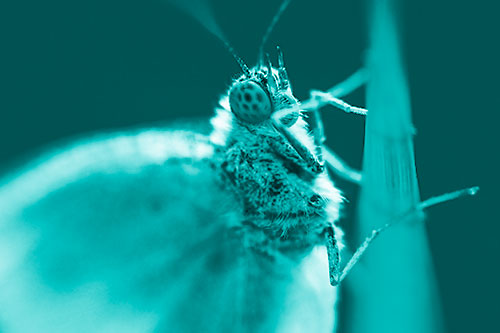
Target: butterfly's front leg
point(292, 149)
point(332, 96)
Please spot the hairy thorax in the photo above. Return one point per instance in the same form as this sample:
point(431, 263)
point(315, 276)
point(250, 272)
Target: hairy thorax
point(285, 206)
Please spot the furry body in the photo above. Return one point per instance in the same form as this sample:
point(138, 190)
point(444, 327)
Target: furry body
point(280, 199)
point(168, 231)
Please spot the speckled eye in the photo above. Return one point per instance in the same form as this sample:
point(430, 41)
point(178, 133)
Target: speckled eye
point(249, 102)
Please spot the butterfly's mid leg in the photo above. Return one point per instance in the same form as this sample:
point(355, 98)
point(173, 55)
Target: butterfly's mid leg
point(336, 164)
point(340, 167)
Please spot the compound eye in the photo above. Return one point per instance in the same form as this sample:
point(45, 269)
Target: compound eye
point(249, 102)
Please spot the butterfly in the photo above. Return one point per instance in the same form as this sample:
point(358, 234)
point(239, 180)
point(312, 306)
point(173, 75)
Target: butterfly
point(178, 230)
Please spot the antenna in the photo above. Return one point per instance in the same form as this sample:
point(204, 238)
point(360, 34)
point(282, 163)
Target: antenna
point(240, 61)
point(202, 13)
point(275, 20)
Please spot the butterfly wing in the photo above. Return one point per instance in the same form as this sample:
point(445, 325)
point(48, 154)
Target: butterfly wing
point(131, 233)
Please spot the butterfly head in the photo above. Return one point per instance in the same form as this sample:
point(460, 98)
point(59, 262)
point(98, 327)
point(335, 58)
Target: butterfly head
point(261, 91)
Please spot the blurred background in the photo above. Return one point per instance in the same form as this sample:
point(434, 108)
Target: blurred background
point(68, 69)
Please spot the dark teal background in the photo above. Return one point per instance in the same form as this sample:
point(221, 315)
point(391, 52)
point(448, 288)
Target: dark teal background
point(68, 68)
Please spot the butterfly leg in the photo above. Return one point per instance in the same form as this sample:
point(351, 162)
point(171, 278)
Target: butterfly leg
point(321, 98)
point(333, 256)
point(416, 213)
point(332, 96)
point(294, 150)
point(353, 82)
point(336, 164)
point(340, 167)
point(314, 160)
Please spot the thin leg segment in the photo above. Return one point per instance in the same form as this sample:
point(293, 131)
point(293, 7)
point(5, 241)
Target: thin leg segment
point(336, 164)
point(340, 167)
point(404, 217)
point(311, 161)
point(318, 133)
point(353, 82)
point(323, 98)
point(333, 256)
point(331, 96)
